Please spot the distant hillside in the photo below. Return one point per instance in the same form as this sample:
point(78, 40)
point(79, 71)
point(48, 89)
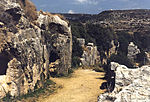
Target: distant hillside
point(79, 17)
point(120, 26)
point(129, 20)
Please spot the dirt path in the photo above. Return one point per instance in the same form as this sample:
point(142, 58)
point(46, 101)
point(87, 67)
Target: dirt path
point(83, 86)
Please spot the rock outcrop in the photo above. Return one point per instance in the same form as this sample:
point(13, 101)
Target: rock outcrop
point(148, 57)
point(132, 51)
point(132, 85)
point(81, 41)
point(27, 48)
point(134, 54)
point(90, 54)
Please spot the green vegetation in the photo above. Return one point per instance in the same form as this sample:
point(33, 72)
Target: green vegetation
point(38, 91)
point(102, 36)
point(79, 30)
point(142, 40)
point(7, 98)
point(55, 74)
point(75, 61)
point(95, 33)
point(98, 68)
point(76, 53)
point(124, 39)
point(121, 59)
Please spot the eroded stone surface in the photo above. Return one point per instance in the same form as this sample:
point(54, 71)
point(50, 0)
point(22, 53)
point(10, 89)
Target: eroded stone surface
point(133, 50)
point(90, 54)
point(132, 85)
point(29, 45)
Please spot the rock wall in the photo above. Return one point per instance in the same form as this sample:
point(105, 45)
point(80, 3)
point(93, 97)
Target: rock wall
point(132, 85)
point(132, 51)
point(81, 41)
point(148, 57)
point(134, 54)
point(90, 54)
point(28, 48)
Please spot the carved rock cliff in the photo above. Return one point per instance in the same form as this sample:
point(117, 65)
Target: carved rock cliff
point(27, 48)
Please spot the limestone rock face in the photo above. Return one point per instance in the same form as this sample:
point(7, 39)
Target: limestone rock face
point(132, 85)
point(58, 38)
point(113, 49)
point(148, 57)
point(132, 51)
point(90, 54)
point(27, 48)
point(81, 41)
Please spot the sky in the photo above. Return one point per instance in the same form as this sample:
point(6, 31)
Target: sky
point(89, 6)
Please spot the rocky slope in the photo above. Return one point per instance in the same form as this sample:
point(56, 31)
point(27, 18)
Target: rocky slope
point(29, 42)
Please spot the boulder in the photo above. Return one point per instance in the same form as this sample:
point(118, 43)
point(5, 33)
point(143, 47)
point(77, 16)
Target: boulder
point(132, 85)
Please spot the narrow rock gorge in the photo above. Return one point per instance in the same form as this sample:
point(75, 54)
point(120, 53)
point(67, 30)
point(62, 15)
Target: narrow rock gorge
point(122, 38)
point(29, 42)
point(112, 31)
point(36, 45)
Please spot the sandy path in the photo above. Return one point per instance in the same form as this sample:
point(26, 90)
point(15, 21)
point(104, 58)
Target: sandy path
point(83, 86)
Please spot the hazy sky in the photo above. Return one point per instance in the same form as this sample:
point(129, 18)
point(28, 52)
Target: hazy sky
point(89, 6)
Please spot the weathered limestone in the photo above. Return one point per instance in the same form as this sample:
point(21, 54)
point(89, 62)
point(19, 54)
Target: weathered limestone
point(113, 50)
point(60, 39)
point(90, 55)
point(132, 85)
point(81, 41)
point(132, 51)
point(29, 48)
point(147, 57)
